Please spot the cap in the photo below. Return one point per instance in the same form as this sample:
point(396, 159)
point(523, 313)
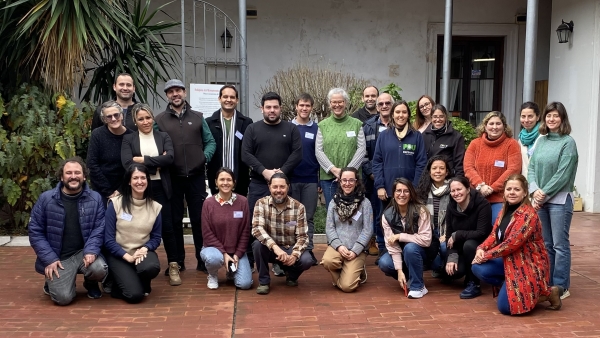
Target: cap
point(174, 83)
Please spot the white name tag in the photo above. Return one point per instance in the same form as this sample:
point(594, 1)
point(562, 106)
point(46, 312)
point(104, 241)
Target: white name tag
point(351, 133)
point(382, 128)
point(357, 215)
point(239, 135)
point(309, 135)
point(238, 214)
point(499, 164)
point(291, 223)
point(126, 217)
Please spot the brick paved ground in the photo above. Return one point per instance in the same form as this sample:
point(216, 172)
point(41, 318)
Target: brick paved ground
point(314, 309)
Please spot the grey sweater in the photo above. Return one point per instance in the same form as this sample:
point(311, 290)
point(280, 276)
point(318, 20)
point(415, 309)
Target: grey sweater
point(356, 235)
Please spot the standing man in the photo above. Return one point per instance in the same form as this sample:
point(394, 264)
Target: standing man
point(66, 231)
point(194, 146)
point(228, 126)
point(279, 225)
point(306, 175)
point(124, 90)
point(370, 94)
point(372, 127)
point(269, 146)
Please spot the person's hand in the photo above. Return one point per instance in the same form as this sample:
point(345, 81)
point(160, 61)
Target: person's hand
point(343, 251)
point(140, 254)
point(138, 159)
point(291, 260)
point(336, 172)
point(52, 269)
point(88, 259)
point(486, 190)
point(450, 242)
point(226, 260)
point(451, 268)
point(382, 194)
point(401, 279)
point(280, 254)
point(539, 196)
point(351, 255)
point(267, 173)
point(129, 258)
point(536, 205)
point(479, 257)
point(394, 238)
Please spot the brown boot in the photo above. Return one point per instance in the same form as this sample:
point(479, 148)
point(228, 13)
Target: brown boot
point(373, 250)
point(554, 298)
point(174, 278)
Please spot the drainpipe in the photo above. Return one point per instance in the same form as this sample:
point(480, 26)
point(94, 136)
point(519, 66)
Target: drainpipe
point(447, 54)
point(530, 49)
point(183, 41)
point(243, 60)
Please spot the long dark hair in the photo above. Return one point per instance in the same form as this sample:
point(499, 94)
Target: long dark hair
point(424, 186)
point(127, 197)
point(359, 188)
point(396, 104)
point(415, 205)
point(419, 117)
point(565, 126)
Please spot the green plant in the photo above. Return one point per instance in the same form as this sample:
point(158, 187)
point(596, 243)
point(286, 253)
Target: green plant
point(393, 90)
point(320, 218)
point(38, 131)
point(465, 128)
point(315, 79)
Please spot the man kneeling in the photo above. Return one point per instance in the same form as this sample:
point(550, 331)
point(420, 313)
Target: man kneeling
point(279, 226)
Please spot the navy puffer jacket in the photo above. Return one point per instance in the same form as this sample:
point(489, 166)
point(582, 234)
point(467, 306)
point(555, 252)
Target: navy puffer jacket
point(46, 225)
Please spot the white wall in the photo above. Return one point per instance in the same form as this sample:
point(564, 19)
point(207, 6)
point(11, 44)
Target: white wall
point(574, 80)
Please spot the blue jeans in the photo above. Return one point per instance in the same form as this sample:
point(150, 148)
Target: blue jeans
point(213, 259)
point(496, 207)
point(329, 188)
point(306, 193)
point(492, 272)
point(438, 262)
point(556, 222)
point(412, 257)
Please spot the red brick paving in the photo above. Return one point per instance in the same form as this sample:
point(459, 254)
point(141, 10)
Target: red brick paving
point(313, 309)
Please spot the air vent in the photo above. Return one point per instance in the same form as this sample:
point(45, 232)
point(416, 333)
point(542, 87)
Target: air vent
point(251, 14)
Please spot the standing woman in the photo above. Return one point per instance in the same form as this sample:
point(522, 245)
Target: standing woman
point(340, 143)
point(104, 151)
point(491, 158)
point(349, 228)
point(154, 149)
point(424, 109)
point(131, 235)
point(226, 232)
point(408, 238)
point(552, 170)
point(441, 139)
point(399, 152)
point(530, 123)
point(513, 258)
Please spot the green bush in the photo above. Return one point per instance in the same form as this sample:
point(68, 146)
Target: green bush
point(320, 219)
point(37, 132)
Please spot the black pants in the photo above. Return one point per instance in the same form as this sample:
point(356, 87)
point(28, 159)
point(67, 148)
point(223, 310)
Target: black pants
point(168, 236)
point(264, 256)
point(132, 281)
point(466, 254)
point(193, 189)
point(256, 191)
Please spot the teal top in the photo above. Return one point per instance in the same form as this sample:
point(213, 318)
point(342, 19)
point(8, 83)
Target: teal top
point(553, 165)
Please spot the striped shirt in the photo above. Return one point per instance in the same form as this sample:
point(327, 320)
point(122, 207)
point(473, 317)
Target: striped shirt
point(285, 228)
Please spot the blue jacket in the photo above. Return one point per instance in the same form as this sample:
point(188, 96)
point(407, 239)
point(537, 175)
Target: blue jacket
point(372, 128)
point(46, 225)
point(394, 158)
point(308, 169)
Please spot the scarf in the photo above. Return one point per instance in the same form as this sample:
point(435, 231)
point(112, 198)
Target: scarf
point(347, 205)
point(528, 138)
point(443, 193)
point(401, 133)
point(228, 143)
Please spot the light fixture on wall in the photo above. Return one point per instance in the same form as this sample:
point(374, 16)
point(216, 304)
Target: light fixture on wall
point(226, 38)
point(564, 31)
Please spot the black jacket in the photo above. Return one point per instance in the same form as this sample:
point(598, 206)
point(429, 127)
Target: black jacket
point(130, 148)
point(127, 118)
point(451, 144)
point(475, 222)
point(242, 172)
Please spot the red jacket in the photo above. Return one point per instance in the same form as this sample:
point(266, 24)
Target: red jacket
point(526, 264)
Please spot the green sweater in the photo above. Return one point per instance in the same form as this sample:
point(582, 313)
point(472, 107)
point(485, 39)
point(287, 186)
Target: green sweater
point(553, 165)
point(340, 143)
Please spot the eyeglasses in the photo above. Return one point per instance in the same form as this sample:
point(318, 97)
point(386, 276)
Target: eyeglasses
point(386, 103)
point(402, 192)
point(335, 103)
point(424, 105)
point(113, 116)
point(348, 180)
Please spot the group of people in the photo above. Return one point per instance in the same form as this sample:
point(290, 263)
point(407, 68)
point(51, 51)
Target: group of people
point(406, 192)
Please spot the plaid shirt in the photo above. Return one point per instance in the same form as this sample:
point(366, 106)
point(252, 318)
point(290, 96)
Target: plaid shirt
point(286, 228)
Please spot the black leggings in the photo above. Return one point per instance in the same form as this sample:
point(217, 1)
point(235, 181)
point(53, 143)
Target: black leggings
point(466, 254)
point(132, 281)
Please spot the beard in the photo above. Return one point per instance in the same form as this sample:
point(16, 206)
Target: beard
point(279, 200)
point(71, 188)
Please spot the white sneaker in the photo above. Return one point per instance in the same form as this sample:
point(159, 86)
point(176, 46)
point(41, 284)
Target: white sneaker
point(565, 294)
point(213, 282)
point(417, 294)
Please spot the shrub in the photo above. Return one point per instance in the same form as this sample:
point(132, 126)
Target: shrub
point(38, 131)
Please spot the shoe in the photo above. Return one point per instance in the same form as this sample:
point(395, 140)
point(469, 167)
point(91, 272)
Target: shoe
point(213, 282)
point(107, 285)
point(417, 294)
point(93, 290)
point(495, 291)
point(436, 274)
point(174, 278)
point(471, 291)
point(555, 298)
point(291, 282)
point(277, 271)
point(373, 250)
point(263, 289)
point(181, 268)
point(230, 276)
point(565, 293)
point(46, 289)
point(363, 275)
point(201, 267)
point(314, 259)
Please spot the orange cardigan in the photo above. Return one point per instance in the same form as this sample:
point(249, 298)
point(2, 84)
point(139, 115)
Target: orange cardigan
point(492, 162)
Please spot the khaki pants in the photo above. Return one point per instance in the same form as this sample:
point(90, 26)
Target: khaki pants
point(344, 273)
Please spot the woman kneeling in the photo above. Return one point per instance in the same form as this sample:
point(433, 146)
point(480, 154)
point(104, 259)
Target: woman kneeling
point(514, 258)
point(349, 228)
point(132, 232)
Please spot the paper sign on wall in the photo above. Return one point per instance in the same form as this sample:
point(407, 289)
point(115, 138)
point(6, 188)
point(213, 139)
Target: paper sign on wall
point(204, 98)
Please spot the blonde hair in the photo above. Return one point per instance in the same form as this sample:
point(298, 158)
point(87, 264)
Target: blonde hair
point(481, 127)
